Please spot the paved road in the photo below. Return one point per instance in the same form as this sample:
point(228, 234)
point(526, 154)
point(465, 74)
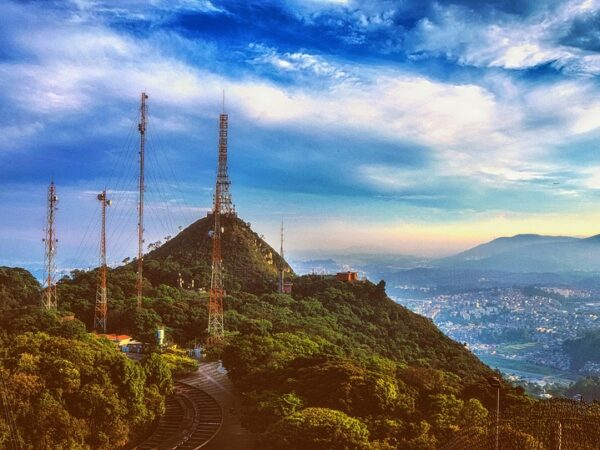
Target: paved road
point(212, 378)
point(191, 419)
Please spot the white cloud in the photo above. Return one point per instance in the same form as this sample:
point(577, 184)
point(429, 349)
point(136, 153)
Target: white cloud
point(313, 65)
point(472, 130)
point(509, 42)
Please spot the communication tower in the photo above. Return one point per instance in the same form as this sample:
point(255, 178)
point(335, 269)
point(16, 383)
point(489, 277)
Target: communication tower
point(223, 206)
point(142, 188)
point(49, 297)
point(101, 310)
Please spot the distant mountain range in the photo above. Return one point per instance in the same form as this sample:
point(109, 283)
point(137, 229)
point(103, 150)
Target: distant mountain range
point(521, 260)
point(529, 253)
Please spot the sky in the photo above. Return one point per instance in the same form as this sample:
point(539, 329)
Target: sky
point(414, 127)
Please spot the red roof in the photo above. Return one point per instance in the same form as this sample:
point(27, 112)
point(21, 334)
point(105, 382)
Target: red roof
point(115, 337)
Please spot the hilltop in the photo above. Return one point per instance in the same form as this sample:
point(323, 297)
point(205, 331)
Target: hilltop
point(250, 264)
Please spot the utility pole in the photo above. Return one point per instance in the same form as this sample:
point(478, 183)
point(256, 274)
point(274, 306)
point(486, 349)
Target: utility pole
point(281, 269)
point(142, 188)
point(100, 312)
point(223, 206)
point(49, 297)
point(495, 383)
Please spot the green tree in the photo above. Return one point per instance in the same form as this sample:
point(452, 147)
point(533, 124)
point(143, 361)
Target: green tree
point(317, 429)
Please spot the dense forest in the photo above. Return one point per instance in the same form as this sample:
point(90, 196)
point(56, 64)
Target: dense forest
point(64, 388)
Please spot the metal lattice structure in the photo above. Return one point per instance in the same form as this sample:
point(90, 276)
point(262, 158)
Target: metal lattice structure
point(142, 189)
point(101, 310)
point(546, 425)
point(49, 296)
point(222, 192)
point(223, 206)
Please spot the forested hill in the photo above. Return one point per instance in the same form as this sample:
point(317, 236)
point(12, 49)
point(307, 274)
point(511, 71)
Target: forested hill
point(341, 366)
point(250, 264)
point(17, 288)
point(335, 365)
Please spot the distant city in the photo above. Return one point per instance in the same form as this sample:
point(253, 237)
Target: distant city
point(515, 320)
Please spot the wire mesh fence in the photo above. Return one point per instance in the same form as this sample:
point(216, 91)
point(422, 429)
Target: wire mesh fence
point(545, 425)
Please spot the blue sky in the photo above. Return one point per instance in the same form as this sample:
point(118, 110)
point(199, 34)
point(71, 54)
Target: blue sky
point(412, 127)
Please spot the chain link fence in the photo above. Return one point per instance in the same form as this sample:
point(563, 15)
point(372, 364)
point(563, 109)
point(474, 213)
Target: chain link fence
point(545, 425)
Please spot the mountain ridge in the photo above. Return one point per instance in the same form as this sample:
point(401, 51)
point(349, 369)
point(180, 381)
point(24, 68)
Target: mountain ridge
point(525, 253)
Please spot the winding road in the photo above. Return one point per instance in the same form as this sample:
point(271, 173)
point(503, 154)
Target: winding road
point(202, 413)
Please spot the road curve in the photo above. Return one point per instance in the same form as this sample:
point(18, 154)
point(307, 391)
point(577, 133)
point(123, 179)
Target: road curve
point(212, 378)
point(192, 418)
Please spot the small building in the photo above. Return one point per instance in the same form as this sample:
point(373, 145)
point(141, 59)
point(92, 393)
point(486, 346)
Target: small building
point(119, 340)
point(348, 277)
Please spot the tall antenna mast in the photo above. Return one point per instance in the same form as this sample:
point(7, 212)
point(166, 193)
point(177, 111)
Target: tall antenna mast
point(49, 298)
point(222, 207)
point(282, 261)
point(142, 187)
point(101, 300)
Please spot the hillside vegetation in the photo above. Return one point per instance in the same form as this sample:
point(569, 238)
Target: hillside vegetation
point(250, 264)
point(340, 365)
point(67, 389)
point(334, 365)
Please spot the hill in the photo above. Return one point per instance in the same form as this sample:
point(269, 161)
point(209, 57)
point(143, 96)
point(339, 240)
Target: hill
point(530, 253)
point(345, 360)
point(18, 288)
point(250, 264)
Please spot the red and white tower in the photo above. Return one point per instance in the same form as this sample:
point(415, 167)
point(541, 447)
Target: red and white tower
point(223, 206)
point(101, 310)
point(49, 297)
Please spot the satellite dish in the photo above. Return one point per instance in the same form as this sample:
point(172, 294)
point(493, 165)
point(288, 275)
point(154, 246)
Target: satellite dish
point(211, 233)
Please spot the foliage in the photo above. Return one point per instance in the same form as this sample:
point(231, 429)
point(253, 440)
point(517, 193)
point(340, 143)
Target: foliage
point(588, 388)
point(18, 288)
point(77, 392)
point(317, 429)
point(583, 349)
point(347, 348)
point(250, 264)
point(179, 363)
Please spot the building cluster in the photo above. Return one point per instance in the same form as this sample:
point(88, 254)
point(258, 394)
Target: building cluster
point(515, 324)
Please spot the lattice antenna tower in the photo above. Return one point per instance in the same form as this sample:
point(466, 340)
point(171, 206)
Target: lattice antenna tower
point(226, 205)
point(142, 189)
point(49, 296)
point(223, 206)
point(281, 269)
point(101, 310)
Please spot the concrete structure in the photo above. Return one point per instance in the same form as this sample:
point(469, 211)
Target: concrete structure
point(349, 277)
